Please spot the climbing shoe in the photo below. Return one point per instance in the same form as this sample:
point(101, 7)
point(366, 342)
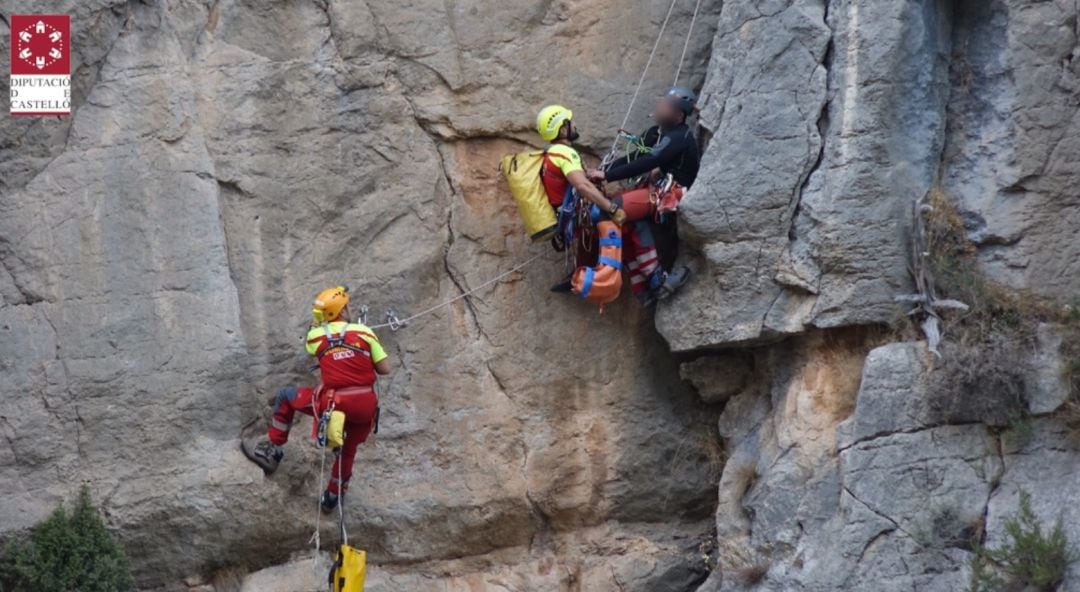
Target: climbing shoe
point(265, 454)
point(672, 282)
point(563, 286)
point(648, 300)
point(328, 502)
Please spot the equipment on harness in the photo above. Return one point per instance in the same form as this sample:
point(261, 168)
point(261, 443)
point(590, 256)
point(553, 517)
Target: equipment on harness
point(601, 284)
point(331, 429)
point(349, 570)
point(329, 304)
point(666, 196)
point(568, 214)
point(522, 172)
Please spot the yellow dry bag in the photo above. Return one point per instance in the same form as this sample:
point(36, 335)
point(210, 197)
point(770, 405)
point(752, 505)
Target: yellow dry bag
point(335, 430)
point(347, 574)
point(522, 172)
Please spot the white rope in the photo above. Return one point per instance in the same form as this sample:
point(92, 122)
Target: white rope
point(641, 80)
point(341, 493)
point(397, 323)
point(316, 537)
point(686, 44)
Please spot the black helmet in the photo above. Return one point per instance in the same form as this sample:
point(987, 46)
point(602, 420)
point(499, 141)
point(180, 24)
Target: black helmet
point(684, 98)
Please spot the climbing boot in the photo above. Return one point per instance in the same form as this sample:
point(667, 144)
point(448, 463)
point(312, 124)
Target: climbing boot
point(265, 454)
point(672, 282)
point(647, 299)
point(564, 286)
point(328, 502)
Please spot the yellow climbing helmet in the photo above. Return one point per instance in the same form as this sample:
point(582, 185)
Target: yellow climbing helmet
point(329, 304)
point(551, 119)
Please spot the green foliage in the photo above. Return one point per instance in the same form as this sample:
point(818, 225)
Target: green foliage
point(1029, 558)
point(67, 552)
point(987, 348)
point(993, 308)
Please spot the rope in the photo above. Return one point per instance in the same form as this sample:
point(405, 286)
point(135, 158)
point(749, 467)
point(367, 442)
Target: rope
point(641, 80)
point(686, 44)
point(316, 536)
point(610, 156)
point(394, 323)
point(341, 495)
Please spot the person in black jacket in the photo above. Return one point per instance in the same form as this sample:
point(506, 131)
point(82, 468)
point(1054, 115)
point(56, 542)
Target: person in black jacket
point(670, 159)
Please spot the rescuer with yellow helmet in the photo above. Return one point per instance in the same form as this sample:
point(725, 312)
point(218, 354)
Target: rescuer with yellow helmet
point(350, 358)
point(562, 163)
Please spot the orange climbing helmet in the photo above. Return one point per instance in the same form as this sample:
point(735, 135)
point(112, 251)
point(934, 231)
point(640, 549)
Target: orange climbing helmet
point(329, 304)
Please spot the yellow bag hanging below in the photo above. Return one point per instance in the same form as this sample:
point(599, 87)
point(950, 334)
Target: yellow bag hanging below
point(349, 570)
point(522, 172)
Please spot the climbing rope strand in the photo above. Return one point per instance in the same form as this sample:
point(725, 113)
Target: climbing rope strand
point(341, 495)
point(644, 72)
point(686, 44)
point(316, 536)
point(622, 133)
point(395, 323)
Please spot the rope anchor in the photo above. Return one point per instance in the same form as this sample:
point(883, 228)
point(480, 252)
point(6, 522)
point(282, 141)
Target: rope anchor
point(393, 321)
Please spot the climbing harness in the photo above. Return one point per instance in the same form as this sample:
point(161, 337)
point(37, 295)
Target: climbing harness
point(338, 341)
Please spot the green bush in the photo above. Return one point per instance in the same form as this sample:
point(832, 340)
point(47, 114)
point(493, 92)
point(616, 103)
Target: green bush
point(67, 552)
point(1029, 558)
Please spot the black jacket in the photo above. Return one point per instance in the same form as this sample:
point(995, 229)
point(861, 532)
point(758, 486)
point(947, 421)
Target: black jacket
point(674, 151)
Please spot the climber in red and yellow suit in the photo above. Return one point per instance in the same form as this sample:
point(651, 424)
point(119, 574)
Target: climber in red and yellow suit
point(350, 356)
point(563, 169)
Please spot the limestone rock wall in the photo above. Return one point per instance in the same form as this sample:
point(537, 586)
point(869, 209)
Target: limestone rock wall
point(159, 248)
point(227, 159)
point(828, 119)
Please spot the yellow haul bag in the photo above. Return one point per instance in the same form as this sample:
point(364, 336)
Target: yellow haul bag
point(349, 570)
point(522, 172)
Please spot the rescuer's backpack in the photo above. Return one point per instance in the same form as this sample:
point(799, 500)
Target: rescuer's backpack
point(522, 172)
point(349, 570)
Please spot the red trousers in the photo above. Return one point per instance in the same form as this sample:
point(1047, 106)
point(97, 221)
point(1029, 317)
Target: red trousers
point(639, 249)
point(359, 405)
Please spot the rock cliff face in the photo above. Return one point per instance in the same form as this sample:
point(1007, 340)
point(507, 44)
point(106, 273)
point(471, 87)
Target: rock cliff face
point(828, 120)
point(226, 159)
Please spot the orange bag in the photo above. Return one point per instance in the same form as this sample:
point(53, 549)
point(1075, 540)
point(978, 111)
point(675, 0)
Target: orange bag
point(602, 284)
